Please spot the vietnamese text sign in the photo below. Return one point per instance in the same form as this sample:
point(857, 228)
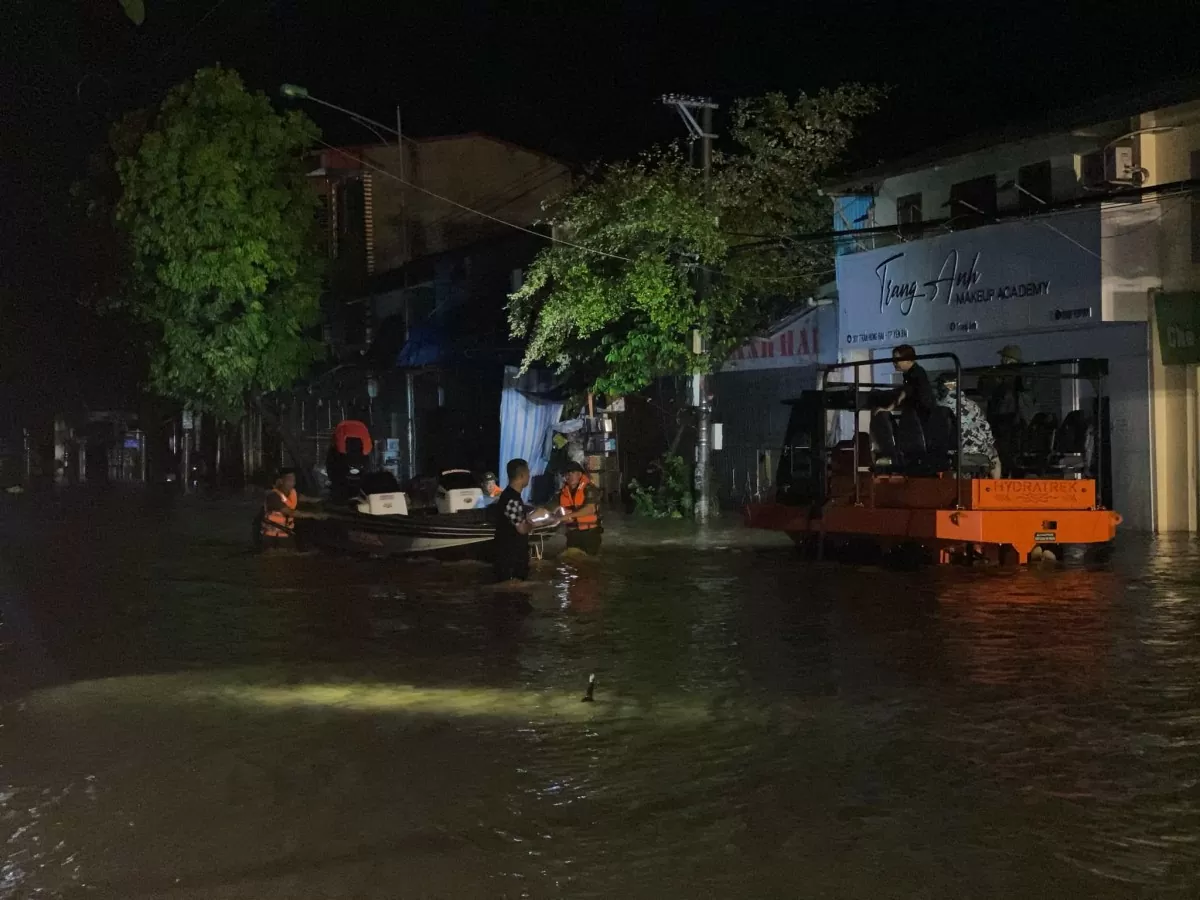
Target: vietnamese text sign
point(797, 341)
point(1178, 318)
point(999, 279)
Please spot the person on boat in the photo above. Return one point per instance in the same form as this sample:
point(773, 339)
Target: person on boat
point(277, 519)
point(580, 500)
point(512, 527)
point(491, 489)
point(976, 432)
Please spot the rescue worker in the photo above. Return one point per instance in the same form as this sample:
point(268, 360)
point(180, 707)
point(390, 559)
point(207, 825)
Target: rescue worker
point(277, 519)
point(491, 489)
point(580, 500)
point(509, 517)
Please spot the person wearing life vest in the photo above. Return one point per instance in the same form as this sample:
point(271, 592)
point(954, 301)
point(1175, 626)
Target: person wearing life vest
point(580, 501)
point(278, 517)
point(491, 489)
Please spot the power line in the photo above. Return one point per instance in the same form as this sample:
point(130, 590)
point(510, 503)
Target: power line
point(416, 187)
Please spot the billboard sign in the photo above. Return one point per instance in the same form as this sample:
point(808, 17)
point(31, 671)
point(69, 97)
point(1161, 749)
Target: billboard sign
point(1030, 274)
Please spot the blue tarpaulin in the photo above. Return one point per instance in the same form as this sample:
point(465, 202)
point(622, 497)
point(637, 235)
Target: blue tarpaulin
point(529, 409)
point(427, 345)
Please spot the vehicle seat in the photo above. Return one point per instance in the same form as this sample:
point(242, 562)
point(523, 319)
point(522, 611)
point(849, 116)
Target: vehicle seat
point(941, 437)
point(1038, 444)
point(1071, 444)
point(883, 435)
point(1071, 436)
point(910, 439)
point(976, 465)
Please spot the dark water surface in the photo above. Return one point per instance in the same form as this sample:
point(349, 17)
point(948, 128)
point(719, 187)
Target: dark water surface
point(182, 720)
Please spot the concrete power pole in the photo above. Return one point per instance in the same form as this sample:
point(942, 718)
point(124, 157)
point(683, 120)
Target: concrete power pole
point(703, 132)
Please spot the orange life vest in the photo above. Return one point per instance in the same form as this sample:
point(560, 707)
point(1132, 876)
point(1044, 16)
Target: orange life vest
point(281, 518)
point(573, 500)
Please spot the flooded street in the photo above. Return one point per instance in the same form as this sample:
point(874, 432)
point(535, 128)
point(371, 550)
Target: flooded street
point(181, 719)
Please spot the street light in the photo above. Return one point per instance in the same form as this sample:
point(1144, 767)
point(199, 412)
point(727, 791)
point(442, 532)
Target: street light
point(299, 92)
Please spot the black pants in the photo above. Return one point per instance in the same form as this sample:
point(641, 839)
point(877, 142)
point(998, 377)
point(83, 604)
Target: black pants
point(588, 541)
point(511, 560)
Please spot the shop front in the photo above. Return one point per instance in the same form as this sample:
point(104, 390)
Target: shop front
point(750, 393)
point(1038, 289)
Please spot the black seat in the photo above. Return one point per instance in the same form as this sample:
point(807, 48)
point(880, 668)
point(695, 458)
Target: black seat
point(1037, 444)
point(1070, 444)
point(941, 437)
point(888, 457)
point(910, 438)
point(1071, 436)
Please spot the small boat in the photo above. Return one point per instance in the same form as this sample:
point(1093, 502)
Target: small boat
point(380, 524)
point(918, 490)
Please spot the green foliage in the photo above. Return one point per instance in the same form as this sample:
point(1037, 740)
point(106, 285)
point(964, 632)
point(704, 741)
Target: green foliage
point(672, 498)
point(219, 231)
point(135, 9)
point(622, 316)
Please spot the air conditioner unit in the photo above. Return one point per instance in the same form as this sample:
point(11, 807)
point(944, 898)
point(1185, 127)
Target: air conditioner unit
point(1118, 165)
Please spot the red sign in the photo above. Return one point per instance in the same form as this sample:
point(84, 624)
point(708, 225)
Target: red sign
point(797, 344)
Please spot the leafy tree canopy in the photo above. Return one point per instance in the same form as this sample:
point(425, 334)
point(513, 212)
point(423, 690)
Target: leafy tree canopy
point(620, 304)
point(135, 10)
point(218, 227)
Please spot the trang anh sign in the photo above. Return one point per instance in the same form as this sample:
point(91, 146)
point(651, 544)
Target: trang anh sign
point(998, 279)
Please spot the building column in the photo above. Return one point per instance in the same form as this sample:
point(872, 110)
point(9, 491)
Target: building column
point(1173, 435)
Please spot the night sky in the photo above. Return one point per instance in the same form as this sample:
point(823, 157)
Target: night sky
point(581, 86)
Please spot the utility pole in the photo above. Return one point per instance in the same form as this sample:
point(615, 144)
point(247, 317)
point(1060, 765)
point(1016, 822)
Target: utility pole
point(410, 425)
point(703, 132)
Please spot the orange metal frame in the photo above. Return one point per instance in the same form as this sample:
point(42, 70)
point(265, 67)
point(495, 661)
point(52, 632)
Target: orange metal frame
point(1000, 516)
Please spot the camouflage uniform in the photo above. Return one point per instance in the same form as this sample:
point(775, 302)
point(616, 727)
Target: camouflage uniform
point(976, 432)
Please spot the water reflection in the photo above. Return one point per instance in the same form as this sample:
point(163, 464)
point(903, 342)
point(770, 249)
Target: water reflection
point(212, 724)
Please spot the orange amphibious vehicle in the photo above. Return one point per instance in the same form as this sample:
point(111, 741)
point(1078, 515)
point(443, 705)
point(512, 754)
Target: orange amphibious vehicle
point(908, 484)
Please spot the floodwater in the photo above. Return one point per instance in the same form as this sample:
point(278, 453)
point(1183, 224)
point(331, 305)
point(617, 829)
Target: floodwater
point(182, 720)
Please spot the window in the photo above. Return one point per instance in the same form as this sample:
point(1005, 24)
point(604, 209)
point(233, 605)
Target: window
point(973, 202)
point(1195, 173)
point(908, 210)
point(1033, 187)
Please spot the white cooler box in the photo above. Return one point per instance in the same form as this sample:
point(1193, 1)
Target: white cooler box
point(384, 505)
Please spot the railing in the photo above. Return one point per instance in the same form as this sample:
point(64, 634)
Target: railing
point(858, 384)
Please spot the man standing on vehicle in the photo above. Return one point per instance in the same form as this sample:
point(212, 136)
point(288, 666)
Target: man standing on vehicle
point(512, 528)
point(580, 500)
point(916, 393)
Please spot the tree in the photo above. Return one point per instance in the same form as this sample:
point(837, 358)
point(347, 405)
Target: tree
point(135, 10)
point(618, 303)
point(218, 230)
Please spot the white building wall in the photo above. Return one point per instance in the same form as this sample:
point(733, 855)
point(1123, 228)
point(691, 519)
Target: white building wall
point(1146, 247)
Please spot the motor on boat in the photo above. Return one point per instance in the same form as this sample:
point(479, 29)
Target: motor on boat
point(348, 459)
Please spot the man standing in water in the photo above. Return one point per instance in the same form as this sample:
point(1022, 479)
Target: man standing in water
point(512, 529)
point(580, 501)
point(277, 519)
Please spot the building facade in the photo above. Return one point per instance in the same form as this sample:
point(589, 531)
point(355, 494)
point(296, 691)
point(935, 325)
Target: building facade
point(1064, 243)
point(423, 256)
